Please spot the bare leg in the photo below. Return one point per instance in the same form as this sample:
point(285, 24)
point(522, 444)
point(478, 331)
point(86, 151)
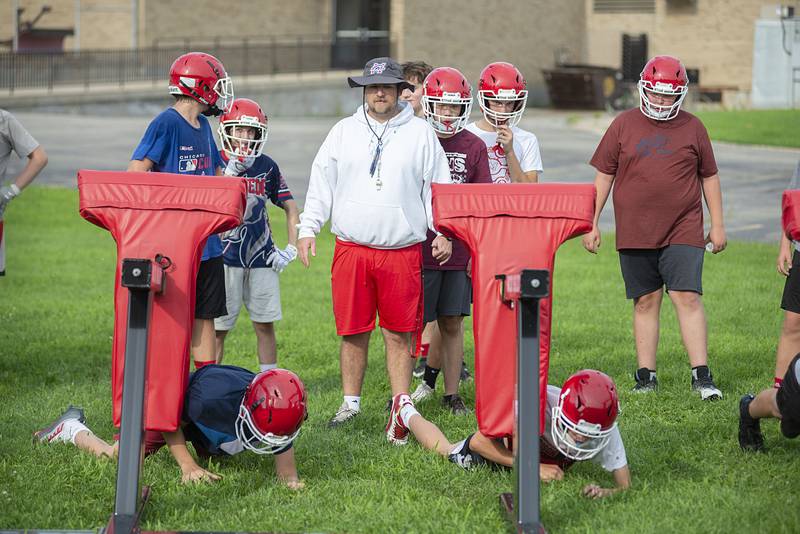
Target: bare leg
point(204, 342)
point(398, 360)
point(353, 362)
point(646, 311)
point(765, 405)
point(692, 320)
point(220, 344)
point(85, 440)
point(429, 435)
point(789, 343)
point(453, 345)
point(435, 356)
point(267, 347)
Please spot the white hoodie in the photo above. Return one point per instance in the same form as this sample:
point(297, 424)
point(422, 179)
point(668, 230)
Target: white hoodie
point(396, 215)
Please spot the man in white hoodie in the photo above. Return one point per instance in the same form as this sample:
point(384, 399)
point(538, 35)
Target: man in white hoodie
point(372, 178)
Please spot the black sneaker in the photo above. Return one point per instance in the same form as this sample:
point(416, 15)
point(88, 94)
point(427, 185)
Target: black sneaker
point(419, 370)
point(465, 374)
point(750, 436)
point(645, 382)
point(455, 404)
point(704, 384)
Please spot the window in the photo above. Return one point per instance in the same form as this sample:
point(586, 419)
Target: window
point(624, 6)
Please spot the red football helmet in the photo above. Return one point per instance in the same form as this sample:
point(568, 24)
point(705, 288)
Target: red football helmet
point(502, 81)
point(446, 85)
point(272, 411)
point(662, 75)
point(243, 112)
point(587, 407)
point(203, 78)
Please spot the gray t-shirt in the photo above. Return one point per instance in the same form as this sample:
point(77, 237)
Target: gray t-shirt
point(13, 137)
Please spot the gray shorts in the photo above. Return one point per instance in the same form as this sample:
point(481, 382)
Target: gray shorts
point(258, 289)
point(678, 267)
point(447, 294)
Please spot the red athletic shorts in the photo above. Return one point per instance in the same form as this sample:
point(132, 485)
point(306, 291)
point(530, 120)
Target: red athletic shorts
point(365, 280)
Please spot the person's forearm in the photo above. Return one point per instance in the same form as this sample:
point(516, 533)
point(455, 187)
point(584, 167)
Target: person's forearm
point(622, 478)
point(492, 450)
point(515, 169)
point(292, 220)
point(36, 162)
point(177, 446)
point(713, 195)
point(285, 467)
point(602, 183)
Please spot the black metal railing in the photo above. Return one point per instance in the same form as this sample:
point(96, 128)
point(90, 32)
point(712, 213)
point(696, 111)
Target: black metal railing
point(242, 58)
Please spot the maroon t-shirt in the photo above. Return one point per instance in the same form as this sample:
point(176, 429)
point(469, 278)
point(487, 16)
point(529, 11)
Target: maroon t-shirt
point(469, 164)
point(658, 168)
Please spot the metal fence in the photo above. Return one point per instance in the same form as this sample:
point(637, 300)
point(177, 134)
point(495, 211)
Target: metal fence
point(241, 59)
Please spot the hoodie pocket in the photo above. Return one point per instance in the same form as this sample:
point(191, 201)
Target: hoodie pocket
point(374, 225)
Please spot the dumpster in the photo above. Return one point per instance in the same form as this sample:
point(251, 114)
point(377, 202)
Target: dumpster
point(583, 86)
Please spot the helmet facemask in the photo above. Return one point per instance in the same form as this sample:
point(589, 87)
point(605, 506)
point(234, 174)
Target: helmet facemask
point(235, 146)
point(495, 118)
point(656, 111)
point(561, 426)
point(224, 90)
point(446, 124)
point(254, 440)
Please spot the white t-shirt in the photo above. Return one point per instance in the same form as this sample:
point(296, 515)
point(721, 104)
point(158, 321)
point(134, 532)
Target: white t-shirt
point(611, 457)
point(526, 148)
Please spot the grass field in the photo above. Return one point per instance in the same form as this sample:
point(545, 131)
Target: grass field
point(688, 473)
point(778, 127)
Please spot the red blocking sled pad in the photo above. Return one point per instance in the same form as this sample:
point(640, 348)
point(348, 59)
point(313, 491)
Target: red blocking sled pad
point(171, 215)
point(791, 214)
point(508, 228)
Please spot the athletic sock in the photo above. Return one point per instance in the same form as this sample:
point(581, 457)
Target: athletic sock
point(406, 412)
point(431, 373)
point(353, 402)
point(200, 365)
point(267, 366)
point(70, 429)
point(778, 382)
point(643, 373)
point(423, 349)
point(701, 371)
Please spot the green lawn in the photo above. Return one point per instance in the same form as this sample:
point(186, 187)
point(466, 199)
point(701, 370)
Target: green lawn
point(778, 127)
point(688, 473)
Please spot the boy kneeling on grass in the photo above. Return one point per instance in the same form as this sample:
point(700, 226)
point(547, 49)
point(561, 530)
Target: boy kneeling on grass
point(226, 410)
point(580, 424)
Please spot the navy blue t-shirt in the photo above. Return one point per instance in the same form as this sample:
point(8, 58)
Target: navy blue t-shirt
point(176, 146)
point(250, 244)
point(211, 407)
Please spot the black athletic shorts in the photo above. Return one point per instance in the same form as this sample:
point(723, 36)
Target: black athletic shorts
point(678, 267)
point(791, 289)
point(447, 293)
point(210, 291)
point(788, 399)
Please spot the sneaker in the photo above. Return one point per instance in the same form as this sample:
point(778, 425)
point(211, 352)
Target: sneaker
point(343, 415)
point(704, 384)
point(53, 431)
point(466, 376)
point(644, 384)
point(419, 370)
point(422, 393)
point(750, 436)
point(396, 431)
point(455, 404)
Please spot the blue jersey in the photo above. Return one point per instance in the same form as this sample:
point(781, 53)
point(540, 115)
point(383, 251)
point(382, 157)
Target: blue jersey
point(176, 146)
point(250, 245)
point(211, 407)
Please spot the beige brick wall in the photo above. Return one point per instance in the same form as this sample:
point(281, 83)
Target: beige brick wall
point(717, 39)
point(469, 34)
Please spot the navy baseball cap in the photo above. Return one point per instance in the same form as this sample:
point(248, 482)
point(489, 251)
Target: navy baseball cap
point(381, 71)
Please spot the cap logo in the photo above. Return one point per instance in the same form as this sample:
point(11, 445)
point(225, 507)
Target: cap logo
point(377, 68)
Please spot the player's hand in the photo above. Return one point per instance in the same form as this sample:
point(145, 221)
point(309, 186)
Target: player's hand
point(549, 473)
point(284, 257)
point(717, 239)
point(505, 138)
point(591, 241)
point(237, 165)
point(593, 491)
point(785, 257)
point(304, 246)
point(196, 473)
point(441, 249)
point(7, 194)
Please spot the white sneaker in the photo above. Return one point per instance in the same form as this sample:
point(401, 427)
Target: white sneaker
point(343, 414)
point(55, 430)
point(422, 393)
